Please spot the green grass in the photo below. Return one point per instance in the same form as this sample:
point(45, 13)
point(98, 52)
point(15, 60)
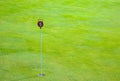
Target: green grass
point(81, 40)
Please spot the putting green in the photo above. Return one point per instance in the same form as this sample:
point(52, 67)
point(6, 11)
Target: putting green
point(81, 40)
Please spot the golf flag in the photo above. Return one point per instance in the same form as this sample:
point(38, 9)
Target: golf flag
point(40, 23)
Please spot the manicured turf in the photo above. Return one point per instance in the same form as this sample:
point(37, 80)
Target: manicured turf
point(81, 40)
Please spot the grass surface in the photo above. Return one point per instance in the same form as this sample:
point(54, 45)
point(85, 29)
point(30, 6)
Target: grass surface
point(81, 40)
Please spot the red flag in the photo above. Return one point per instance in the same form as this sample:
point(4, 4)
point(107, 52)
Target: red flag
point(40, 24)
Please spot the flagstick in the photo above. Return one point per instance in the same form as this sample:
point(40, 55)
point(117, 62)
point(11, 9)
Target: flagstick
point(41, 50)
point(41, 56)
point(40, 25)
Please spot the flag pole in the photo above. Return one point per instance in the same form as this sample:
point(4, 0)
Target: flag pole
point(41, 57)
point(40, 24)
